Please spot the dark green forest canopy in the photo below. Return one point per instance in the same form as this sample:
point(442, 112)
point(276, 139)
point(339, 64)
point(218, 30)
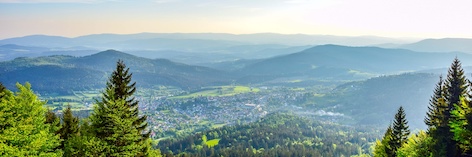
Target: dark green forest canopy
point(278, 134)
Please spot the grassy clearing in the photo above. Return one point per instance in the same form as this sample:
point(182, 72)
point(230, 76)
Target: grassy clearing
point(212, 143)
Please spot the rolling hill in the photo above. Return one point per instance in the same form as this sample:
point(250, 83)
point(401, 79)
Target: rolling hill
point(64, 74)
point(342, 62)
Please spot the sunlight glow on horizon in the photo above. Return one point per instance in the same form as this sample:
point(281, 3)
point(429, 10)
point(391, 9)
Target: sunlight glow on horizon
point(397, 19)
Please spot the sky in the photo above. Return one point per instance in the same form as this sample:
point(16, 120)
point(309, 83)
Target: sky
point(386, 18)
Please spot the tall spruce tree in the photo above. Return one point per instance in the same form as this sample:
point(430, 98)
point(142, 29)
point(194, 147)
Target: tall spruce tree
point(435, 108)
point(437, 121)
point(120, 83)
point(400, 131)
point(455, 87)
point(116, 119)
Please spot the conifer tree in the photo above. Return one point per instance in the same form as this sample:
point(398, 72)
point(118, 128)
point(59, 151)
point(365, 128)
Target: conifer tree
point(455, 88)
point(55, 123)
point(53, 120)
point(116, 121)
point(120, 83)
point(455, 85)
point(70, 126)
point(400, 131)
point(440, 130)
point(51, 117)
point(436, 107)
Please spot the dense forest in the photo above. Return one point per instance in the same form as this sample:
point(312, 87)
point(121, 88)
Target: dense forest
point(278, 134)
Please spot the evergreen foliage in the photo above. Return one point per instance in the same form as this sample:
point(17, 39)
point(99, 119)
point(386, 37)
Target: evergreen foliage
point(115, 120)
point(54, 121)
point(436, 107)
point(69, 128)
point(437, 120)
point(400, 131)
point(455, 87)
point(51, 117)
point(277, 134)
point(120, 83)
point(23, 127)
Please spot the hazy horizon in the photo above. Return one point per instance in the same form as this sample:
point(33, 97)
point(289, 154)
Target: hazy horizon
point(237, 34)
point(400, 19)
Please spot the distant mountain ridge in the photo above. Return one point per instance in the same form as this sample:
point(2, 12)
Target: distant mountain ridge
point(212, 48)
point(256, 38)
point(441, 45)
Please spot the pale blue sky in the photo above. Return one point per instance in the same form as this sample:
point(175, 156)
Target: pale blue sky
point(399, 18)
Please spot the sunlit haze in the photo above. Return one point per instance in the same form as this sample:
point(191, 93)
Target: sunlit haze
point(402, 18)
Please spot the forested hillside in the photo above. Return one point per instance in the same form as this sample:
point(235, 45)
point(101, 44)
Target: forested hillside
point(374, 101)
point(65, 74)
point(278, 134)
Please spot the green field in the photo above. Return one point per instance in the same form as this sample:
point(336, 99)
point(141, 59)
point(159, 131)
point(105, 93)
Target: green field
point(219, 91)
point(76, 100)
point(212, 143)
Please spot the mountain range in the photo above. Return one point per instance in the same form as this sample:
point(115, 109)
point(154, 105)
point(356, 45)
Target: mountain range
point(326, 62)
point(207, 49)
point(251, 39)
point(336, 62)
